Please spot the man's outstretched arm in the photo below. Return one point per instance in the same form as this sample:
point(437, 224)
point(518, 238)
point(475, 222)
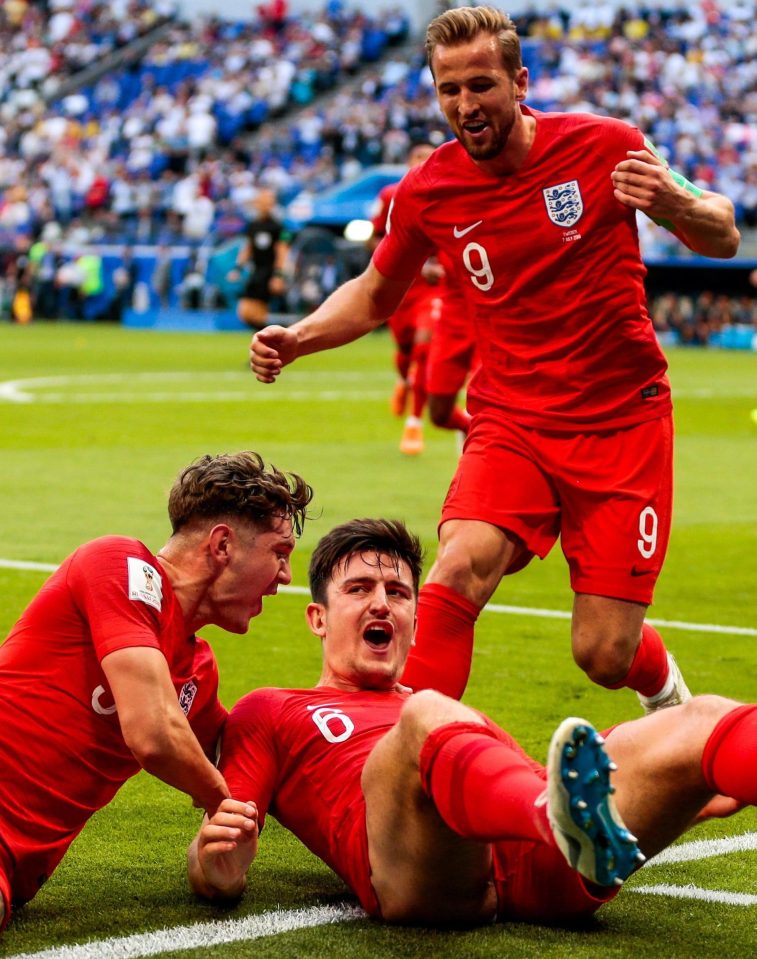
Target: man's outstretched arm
point(703, 220)
point(356, 308)
point(154, 727)
point(223, 850)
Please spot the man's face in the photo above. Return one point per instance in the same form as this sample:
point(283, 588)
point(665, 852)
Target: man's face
point(258, 564)
point(478, 95)
point(368, 623)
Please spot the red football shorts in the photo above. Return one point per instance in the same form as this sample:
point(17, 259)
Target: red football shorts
point(453, 349)
point(534, 883)
point(607, 495)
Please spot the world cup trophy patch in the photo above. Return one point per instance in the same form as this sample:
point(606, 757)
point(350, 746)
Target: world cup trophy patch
point(564, 203)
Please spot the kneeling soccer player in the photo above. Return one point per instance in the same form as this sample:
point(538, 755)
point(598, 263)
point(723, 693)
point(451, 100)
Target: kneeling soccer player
point(430, 812)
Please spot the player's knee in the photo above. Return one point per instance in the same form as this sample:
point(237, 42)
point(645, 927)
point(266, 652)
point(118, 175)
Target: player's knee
point(705, 712)
point(605, 659)
point(425, 711)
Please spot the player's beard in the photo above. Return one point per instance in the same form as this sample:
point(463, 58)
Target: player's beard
point(486, 151)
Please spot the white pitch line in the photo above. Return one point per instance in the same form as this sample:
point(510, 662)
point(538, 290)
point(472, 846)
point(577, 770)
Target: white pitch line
point(22, 390)
point(217, 396)
point(704, 849)
point(201, 935)
point(696, 892)
point(491, 608)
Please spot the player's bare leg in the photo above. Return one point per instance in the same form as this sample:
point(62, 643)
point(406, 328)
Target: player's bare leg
point(432, 875)
point(660, 783)
point(471, 561)
point(605, 635)
point(615, 647)
point(472, 558)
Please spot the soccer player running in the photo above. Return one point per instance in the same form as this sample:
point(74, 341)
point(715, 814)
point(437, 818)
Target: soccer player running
point(572, 432)
point(104, 674)
point(428, 810)
point(410, 324)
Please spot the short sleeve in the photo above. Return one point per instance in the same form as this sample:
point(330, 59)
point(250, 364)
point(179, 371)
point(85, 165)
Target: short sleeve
point(249, 757)
point(404, 248)
point(119, 592)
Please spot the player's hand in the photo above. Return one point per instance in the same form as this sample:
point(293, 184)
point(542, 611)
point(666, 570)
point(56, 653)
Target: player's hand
point(276, 285)
point(719, 807)
point(271, 350)
point(227, 844)
point(645, 183)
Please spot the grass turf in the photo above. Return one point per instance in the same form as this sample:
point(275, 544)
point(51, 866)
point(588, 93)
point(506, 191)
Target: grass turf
point(92, 445)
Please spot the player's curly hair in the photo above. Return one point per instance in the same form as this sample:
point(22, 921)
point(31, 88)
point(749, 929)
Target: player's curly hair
point(463, 24)
point(360, 537)
point(238, 485)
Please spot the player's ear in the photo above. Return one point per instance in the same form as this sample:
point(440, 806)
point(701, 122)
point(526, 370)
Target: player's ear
point(316, 617)
point(219, 543)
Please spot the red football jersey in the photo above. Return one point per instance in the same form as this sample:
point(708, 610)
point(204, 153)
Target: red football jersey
point(417, 304)
point(299, 753)
point(62, 754)
point(550, 263)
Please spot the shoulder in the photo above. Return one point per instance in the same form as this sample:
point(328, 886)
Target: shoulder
point(447, 162)
point(588, 124)
point(258, 704)
point(112, 549)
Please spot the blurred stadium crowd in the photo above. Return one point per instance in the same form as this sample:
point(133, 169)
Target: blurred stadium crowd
point(124, 124)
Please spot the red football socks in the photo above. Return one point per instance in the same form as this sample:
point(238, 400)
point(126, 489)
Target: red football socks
point(484, 789)
point(420, 358)
point(729, 760)
point(441, 656)
point(649, 669)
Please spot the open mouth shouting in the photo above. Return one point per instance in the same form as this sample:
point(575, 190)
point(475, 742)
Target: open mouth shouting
point(378, 634)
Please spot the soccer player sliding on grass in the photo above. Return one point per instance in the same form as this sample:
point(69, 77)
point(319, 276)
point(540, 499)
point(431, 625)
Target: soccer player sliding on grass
point(428, 810)
point(104, 673)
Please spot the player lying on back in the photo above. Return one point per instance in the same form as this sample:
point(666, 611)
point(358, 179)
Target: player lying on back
point(428, 810)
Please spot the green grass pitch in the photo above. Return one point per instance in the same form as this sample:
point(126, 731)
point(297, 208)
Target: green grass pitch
point(94, 425)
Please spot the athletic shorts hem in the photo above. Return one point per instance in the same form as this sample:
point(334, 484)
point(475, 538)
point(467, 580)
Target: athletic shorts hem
point(639, 590)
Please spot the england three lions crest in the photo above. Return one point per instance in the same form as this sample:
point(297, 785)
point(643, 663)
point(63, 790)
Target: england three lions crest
point(564, 203)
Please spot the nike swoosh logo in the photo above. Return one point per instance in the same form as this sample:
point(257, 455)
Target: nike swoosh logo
point(640, 572)
point(458, 233)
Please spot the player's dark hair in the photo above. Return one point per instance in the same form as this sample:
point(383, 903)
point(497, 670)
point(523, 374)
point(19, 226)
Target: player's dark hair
point(359, 537)
point(237, 485)
point(463, 24)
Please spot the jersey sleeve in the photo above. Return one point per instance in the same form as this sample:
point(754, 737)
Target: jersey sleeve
point(118, 592)
point(383, 201)
point(208, 721)
point(249, 753)
point(404, 248)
